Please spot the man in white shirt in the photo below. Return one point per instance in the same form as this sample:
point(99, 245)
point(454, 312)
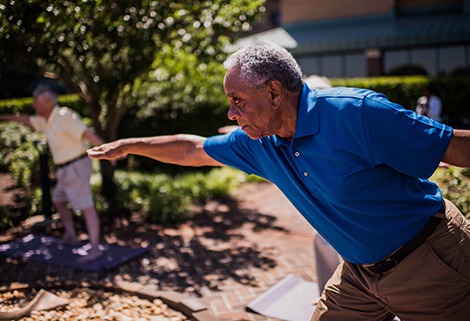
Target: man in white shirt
point(67, 137)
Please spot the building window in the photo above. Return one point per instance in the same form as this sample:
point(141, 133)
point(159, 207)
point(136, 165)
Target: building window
point(427, 58)
point(333, 66)
point(451, 58)
point(355, 65)
point(394, 59)
point(310, 65)
point(435, 60)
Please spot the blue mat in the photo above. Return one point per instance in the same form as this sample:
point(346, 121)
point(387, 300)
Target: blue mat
point(52, 250)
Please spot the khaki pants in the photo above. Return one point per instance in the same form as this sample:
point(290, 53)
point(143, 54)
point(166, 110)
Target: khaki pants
point(430, 284)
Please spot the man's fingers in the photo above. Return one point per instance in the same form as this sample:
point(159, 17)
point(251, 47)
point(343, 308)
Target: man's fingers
point(98, 152)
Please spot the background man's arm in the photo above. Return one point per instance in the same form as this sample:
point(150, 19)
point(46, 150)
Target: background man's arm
point(19, 118)
point(94, 139)
point(181, 149)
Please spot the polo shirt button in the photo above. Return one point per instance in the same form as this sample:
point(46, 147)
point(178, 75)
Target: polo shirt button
point(297, 154)
point(305, 174)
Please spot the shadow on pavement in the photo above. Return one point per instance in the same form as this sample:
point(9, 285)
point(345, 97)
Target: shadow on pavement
point(195, 256)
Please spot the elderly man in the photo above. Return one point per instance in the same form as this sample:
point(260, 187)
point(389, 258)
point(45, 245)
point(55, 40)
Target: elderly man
point(356, 166)
point(66, 135)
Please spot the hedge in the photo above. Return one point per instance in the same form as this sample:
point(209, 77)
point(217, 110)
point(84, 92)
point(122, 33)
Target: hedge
point(25, 105)
point(454, 92)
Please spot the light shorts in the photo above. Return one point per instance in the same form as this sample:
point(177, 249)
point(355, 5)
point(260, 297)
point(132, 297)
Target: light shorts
point(73, 184)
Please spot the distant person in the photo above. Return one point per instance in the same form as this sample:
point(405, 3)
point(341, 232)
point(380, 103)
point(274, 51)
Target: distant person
point(429, 105)
point(356, 166)
point(67, 135)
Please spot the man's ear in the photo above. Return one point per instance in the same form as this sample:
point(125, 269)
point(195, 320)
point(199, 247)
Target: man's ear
point(275, 93)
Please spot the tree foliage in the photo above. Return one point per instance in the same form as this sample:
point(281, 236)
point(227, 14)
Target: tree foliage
point(102, 48)
point(179, 83)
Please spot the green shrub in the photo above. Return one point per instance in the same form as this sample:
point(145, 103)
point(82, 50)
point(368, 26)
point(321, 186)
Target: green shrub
point(164, 198)
point(408, 69)
point(455, 94)
point(18, 154)
point(5, 219)
point(454, 183)
point(25, 105)
point(20, 158)
point(402, 90)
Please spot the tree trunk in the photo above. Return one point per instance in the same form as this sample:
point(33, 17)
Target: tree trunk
point(108, 188)
point(107, 133)
point(113, 102)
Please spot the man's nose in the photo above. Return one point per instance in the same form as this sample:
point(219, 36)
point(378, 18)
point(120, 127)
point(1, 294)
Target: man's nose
point(233, 113)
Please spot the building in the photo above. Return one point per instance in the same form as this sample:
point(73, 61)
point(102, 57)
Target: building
point(360, 38)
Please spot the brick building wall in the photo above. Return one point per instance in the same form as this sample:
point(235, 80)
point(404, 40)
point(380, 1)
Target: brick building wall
point(307, 10)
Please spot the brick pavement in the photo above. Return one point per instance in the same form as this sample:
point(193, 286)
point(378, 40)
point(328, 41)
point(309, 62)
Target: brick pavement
point(221, 259)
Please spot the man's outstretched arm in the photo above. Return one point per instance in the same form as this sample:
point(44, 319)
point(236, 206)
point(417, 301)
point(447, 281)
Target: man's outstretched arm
point(19, 118)
point(181, 149)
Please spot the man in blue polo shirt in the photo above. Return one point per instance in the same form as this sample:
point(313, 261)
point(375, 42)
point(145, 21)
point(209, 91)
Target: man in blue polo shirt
point(356, 166)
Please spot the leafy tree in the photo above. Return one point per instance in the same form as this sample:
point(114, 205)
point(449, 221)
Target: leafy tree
point(101, 48)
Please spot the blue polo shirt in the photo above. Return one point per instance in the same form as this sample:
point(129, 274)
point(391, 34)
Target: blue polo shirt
point(356, 168)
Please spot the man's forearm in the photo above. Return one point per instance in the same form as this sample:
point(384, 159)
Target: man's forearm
point(91, 137)
point(176, 149)
point(182, 149)
point(22, 119)
point(458, 152)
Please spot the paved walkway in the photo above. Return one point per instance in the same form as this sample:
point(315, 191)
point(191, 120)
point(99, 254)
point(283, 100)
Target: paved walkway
point(223, 258)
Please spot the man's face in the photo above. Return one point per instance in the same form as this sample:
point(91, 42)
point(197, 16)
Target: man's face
point(251, 108)
point(42, 105)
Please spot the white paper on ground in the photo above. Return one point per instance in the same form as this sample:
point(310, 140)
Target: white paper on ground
point(291, 299)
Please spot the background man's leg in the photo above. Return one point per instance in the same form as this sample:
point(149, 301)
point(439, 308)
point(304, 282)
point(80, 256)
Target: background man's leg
point(66, 215)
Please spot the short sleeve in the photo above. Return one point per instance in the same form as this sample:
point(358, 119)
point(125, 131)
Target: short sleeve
point(73, 124)
point(38, 123)
point(235, 149)
point(402, 139)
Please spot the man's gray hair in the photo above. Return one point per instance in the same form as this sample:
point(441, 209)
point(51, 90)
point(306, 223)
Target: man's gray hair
point(262, 61)
point(45, 90)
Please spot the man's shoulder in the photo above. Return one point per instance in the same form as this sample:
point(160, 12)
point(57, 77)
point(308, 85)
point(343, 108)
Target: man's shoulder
point(65, 112)
point(239, 139)
point(345, 92)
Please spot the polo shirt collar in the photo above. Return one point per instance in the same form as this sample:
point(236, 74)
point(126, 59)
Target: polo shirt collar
point(307, 116)
point(53, 115)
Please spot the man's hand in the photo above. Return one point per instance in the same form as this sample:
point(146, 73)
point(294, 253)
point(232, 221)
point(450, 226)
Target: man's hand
point(109, 151)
